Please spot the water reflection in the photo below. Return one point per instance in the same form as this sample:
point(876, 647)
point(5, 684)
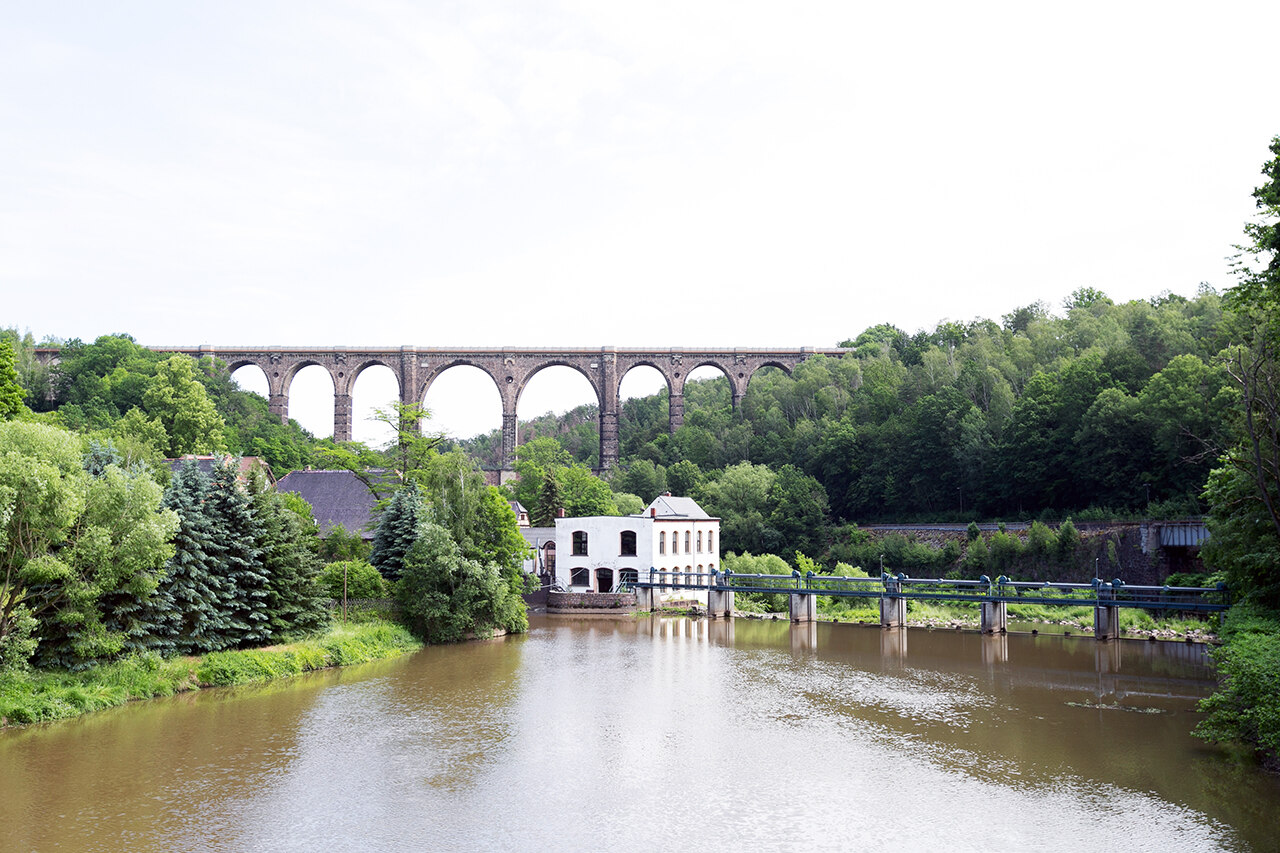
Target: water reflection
point(637, 732)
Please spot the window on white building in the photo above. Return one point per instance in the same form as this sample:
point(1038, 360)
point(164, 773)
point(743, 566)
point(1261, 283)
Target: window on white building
point(711, 541)
point(579, 543)
point(581, 577)
point(628, 546)
point(688, 537)
point(699, 541)
point(662, 542)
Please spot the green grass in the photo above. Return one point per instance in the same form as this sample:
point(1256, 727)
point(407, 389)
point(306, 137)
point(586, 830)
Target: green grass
point(41, 695)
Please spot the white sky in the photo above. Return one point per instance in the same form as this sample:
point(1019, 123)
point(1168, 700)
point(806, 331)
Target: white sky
point(587, 174)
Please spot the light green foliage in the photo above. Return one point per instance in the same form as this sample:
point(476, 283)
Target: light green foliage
point(337, 544)
point(628, 504)
point(181, 404)
point(11, 392)
point(762, 564)
point(362, 580)
point(1246, 707)
point(739, 497)
point(584, 493)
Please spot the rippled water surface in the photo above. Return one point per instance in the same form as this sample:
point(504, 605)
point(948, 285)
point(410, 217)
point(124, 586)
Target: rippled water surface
point(663, 733)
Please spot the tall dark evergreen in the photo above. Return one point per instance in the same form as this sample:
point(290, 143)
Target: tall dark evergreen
point(248, 588)
point(549, 503)
point(295, 603)
point(397, 530)
point(194, 589)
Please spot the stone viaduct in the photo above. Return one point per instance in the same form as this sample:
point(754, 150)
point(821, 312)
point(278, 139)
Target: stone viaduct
point(509, 368)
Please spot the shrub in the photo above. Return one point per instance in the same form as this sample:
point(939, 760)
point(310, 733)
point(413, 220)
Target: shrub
point(1246, 706)
point(363, 580)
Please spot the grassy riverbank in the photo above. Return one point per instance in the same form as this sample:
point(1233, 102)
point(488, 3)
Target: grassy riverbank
point(41, 695)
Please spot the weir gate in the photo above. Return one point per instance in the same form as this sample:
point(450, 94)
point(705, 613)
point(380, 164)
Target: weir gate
point(893, 591)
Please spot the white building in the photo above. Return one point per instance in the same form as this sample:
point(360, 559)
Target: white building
point(599, 553)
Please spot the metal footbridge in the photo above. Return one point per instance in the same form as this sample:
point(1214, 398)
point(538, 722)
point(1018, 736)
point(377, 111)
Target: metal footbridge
point(894, 590)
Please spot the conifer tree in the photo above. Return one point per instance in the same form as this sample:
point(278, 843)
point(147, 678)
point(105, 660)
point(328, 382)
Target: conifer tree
point(397, 530)
point(192, 593)
point(295, 603)
point(245, 596)
point(550, 502)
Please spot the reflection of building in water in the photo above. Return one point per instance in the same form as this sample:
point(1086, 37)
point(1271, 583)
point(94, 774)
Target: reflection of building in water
point(601, 553)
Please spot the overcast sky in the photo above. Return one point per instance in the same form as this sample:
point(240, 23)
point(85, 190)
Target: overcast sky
point(630, 174)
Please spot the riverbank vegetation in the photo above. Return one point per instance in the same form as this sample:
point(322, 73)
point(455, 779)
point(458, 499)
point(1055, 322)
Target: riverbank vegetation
point(31, 696)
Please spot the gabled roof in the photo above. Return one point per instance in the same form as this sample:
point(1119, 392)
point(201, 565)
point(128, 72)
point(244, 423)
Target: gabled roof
point(336, 498)
point(667, 506)
point(538, 537)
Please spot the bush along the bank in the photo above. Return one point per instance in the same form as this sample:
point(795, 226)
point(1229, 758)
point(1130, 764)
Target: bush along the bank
point(1246, 706)
point(41, 695)
point(362, 580)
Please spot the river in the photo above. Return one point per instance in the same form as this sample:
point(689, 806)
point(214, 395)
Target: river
point(657, 733)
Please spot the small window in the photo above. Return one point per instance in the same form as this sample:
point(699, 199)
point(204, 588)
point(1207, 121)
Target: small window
point(699, 541)
point(628, 543)
point(628, 576)
point(579, 543)
point(581, 577)
point(711, 541)
point(687, 538)
point(662, 542)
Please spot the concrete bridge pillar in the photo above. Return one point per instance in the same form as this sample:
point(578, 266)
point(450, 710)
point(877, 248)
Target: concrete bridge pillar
point(647, 599)
point(1106, 622)
point(995, 617)
point(893, 612)
point(804, 608)
point(719, 603)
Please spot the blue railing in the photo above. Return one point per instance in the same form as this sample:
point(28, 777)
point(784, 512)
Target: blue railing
point(1113, 593)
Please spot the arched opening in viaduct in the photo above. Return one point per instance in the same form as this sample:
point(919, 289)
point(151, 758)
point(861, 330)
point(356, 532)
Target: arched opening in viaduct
point(463, 403)
point(644, 406)
point(253, 379)
point(375, 387)
point(559, 389)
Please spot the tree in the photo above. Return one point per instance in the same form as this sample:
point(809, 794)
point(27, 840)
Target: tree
point(397, 527)
point(245, 597)
point(70, 542)
point(11, 392)
point(584, 493)
point(740, 499)
point(1244, 494)
point(294, 603)
point(193, 592)
point(445, 595)
point(549, 503)
point(180, 403)
point(799, 511)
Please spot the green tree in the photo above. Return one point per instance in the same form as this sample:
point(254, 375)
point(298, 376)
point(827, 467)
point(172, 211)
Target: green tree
point(362, 580)
point(397, 527)
point(740, 499)
point(684, 478)
point(181, 404)
point(584, 493)
point(294, 604)
point(192, 594)
point(549, 503)
point(799, 511)
point(446, 596)
point(11, 392)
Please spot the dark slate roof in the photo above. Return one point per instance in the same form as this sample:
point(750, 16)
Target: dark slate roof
point(538, 537)
point(336, 498)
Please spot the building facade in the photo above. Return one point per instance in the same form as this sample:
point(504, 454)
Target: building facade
point(601, 553)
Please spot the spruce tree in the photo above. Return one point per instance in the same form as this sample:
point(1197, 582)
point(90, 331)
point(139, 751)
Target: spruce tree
point(190, 597)
point(550, 501)
point(397, 530)
point(295, 603)
point(247, 584)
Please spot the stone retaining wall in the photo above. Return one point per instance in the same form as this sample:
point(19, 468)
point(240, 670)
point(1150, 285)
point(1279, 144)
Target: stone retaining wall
point(591, 601)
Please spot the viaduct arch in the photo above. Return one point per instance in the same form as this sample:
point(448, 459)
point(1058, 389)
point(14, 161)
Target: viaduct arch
point(510, 369)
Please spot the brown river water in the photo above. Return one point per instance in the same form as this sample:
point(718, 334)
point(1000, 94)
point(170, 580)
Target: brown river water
point(663, 733)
